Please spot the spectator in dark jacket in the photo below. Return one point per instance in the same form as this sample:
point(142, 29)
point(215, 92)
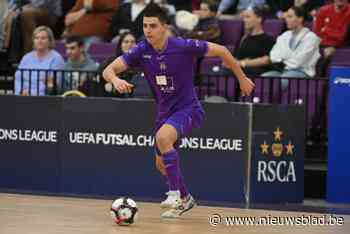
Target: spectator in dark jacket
point(255, 46)
point(128, 17)
point(208, 26)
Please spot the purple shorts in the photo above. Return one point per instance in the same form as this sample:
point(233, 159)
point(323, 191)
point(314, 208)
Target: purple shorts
point(184, 121)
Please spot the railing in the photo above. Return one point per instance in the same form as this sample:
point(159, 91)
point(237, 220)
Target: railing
point(37, 82)
point(311, 92)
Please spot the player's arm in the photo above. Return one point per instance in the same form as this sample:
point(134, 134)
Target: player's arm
point(215, 50)
point(110, 74)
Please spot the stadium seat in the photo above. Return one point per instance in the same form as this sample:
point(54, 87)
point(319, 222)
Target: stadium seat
point(274, 27)
point(231, 32)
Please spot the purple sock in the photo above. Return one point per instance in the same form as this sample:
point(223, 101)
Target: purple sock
point(183, 188)
point(171, 163)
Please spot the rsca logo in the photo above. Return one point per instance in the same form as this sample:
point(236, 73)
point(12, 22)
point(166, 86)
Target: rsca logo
point(277, 162)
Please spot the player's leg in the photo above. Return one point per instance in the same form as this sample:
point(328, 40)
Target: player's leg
point(182, 186)
point(166, 136)
point(188, 201)
point(184, 194)
point(167, 203)
point(165, 139)
point(160, 165)
point(181, 122)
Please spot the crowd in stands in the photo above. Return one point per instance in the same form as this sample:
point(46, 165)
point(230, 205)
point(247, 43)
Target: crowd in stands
point(314, 30)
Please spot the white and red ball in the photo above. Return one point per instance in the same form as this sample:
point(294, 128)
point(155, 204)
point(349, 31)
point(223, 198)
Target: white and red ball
point(124, 211)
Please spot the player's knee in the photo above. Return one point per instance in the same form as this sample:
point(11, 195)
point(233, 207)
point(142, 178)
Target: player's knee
point(164, 143)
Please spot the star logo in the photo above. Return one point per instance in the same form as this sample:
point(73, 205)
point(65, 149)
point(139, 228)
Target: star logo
point(278, 133)
point(278, 147)
point(289, 148)
point(264, 148)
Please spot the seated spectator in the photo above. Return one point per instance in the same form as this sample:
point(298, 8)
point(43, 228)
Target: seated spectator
point(127, 41)
point(255, 46)
point(279, 8)
point(45, 60)
point(310, 6)
point(91, 20)
point(128, 17)
point(297, 49)
point(208, 26)
point(32, 13)
point(78, 61)
point(170, 9)
point(3, 13)
point(186, 5)
point(331, 24)
point(239, 6)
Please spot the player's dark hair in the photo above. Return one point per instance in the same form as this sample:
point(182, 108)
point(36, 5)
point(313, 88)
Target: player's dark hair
point(154, 10)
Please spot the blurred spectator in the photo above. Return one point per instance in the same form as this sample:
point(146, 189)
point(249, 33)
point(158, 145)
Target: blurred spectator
point(255, 46)
point(170, 9)
point(78, 61)
point(127, 40)
point(91, 20)
point(128, 17)
point(32, 14)
point(347, 37)
point(297, 49)
point(173, 31)
point(279, 8)
point(196, 4)
point(208, 26)
point(184, 4)
point(310, 7)
point(331, 24)
point(3, 13)
point(43, 58)
point(239, 5)
point(186, 21)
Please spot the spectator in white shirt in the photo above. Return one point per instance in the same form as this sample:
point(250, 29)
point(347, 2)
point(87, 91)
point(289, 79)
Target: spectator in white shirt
point(296, 49)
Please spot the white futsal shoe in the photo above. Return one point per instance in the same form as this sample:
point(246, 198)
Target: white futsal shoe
point(186, 204)
point(173, 200)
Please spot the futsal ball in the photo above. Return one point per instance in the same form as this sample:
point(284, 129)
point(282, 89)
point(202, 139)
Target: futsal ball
point(124, 211)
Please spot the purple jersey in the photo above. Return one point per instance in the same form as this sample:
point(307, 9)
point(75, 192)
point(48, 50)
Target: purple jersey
point(169, 72)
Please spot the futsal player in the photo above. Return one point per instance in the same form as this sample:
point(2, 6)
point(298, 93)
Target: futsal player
point(168, 65)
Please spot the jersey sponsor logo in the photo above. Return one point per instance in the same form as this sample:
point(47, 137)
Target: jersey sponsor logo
point(161, 80)
point(165, 83)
